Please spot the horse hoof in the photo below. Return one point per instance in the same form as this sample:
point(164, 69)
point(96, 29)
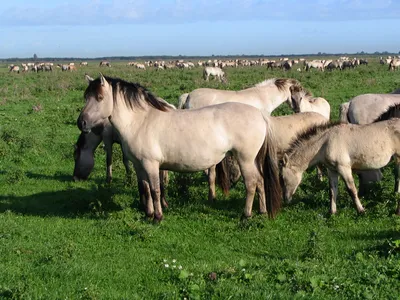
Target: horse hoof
point(158, 218)
point(245, 217)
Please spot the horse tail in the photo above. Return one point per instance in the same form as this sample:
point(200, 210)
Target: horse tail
point(267, 163)
point(182, 100)
point(222, 171)
point(343, 112)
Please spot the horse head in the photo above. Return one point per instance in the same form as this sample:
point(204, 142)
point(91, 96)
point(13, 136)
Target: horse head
point(99, 104)
point(297, 93)
point(290, 177)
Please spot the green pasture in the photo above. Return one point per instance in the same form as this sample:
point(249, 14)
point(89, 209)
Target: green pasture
point(61, 239)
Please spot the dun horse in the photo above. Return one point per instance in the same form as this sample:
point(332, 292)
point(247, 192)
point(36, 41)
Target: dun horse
point(365, 109)
point(341, 148)
point(155, 138)
point(216, 72)
point(304, 102)
point(84, 158)
point(266, 95)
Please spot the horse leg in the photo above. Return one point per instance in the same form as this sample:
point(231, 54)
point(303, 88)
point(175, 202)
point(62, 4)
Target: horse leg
point(249, 173)
point(333, 189)
point(261, 196)
point(153, 175)
point(163, 183)
point(108, 149)
point(320, 174)
point(145, 192)
point(211, 184)
point(127, 166)
point(397, 175)
point(347, 176)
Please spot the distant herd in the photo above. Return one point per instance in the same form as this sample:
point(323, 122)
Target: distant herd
point(284, 63)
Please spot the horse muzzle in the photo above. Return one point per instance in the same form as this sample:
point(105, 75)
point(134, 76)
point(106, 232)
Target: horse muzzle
point(83, 125)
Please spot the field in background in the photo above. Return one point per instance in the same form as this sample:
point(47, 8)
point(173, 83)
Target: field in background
point(65, 240)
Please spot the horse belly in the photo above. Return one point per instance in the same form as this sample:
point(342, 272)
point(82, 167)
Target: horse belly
point(366, 161)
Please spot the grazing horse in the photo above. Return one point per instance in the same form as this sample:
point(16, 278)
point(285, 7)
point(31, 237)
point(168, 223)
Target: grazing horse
point(154, 137)
point(365, 109)
point(63, 67)
point(286, 128)
point(84, 157)
point(14, 68)
point(303, 102)
point(266, 95)
point(317, 64)
point(216, 72)
point(105, 63)
point(341, 148)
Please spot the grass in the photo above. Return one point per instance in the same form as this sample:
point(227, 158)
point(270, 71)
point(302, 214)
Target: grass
point(88, 240)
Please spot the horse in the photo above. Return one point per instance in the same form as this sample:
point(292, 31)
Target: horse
point(155, 137)
point(317, 64)
point(286, 128)
point(266, 95)
point(105, 63)
point(216, 72)
point(341, 148)
point(303, 102)
point(84, 150)
point(365, 109)
point(63, 67)
point(14, 68)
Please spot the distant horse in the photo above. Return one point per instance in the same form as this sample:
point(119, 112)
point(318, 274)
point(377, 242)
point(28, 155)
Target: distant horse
point(84, 64)
point(316, 64)
point(304, 101)
point(105, 63)
point(266, 95)
point(14, 68)
point(63, 67)
point(154, 137)
point(341, 148)
point(216, 72)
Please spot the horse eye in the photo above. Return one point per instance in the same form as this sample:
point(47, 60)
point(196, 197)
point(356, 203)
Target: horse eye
point(100, 97)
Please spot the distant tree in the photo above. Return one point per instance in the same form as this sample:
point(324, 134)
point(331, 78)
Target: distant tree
point(34, 56)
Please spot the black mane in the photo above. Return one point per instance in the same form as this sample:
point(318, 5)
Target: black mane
point(133, 93)
point(308, 134)
point(392, 112)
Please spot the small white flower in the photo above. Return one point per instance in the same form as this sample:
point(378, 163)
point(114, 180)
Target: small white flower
point(164, 260)
point(243, 270)
point(191, 274)
point(166, 265)
point(173, 267)
point(180, 267)
point(335, 287)
point(174, 260)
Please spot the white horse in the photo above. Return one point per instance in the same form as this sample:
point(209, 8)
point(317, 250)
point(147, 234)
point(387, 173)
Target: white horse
point(214, 71)
point(154, 137)
point(266, 96)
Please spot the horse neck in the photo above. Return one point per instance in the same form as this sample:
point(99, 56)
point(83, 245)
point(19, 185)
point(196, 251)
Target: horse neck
point(308, 153)
point(272, 97)
point(124, 117)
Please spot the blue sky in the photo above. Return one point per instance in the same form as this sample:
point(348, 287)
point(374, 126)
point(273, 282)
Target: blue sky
point(96, 28)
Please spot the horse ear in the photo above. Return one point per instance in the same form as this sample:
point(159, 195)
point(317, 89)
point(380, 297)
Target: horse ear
point(102, 80)
point(285, 159)
point(88, 78)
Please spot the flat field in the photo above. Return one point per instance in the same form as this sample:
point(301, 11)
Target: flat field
point(61, 239)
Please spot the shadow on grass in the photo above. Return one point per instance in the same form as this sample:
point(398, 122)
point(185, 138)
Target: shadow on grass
point(68, 203)
point(58, 177)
